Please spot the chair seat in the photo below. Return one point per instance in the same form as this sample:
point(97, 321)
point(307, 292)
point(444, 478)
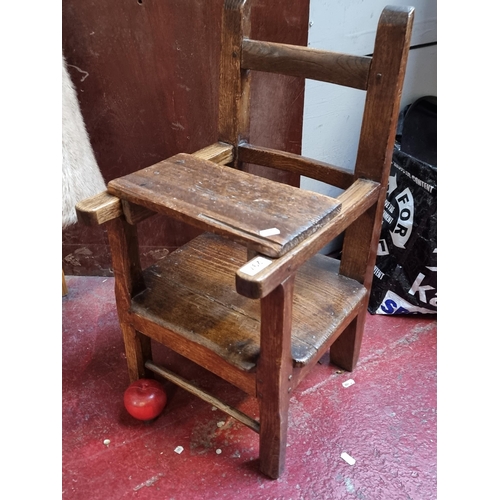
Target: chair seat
point(267, 216)
point(192, 293)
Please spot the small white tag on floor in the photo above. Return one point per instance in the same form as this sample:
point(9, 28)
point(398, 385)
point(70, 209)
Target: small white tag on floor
point(345, 456)
point(348, 383)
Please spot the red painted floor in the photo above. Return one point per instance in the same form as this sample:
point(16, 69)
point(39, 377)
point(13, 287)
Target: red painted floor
point(386, 421)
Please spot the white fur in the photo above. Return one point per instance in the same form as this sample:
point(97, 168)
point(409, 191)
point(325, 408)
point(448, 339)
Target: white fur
point(81, 177)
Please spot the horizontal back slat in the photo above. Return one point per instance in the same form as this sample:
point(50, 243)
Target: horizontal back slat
point(292, 60)
point(298, 164)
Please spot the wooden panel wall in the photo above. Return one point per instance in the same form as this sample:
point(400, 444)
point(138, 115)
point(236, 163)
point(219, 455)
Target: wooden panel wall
point(146, 74)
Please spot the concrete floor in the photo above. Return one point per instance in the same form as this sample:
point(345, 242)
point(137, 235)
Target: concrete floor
point(386, 420)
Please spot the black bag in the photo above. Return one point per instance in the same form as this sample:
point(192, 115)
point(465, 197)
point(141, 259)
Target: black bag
point(405, 274)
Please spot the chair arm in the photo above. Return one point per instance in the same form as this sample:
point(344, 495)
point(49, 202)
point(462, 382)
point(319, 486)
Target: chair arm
point(99, 209)
point(261, 275)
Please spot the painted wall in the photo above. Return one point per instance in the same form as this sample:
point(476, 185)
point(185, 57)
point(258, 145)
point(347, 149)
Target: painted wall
point(332, 114)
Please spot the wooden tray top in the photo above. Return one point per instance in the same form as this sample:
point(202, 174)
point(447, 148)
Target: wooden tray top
point(264, 215)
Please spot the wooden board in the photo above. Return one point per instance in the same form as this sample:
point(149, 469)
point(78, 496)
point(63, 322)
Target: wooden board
point(236, 204)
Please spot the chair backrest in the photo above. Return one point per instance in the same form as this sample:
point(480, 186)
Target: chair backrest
point(380, 75)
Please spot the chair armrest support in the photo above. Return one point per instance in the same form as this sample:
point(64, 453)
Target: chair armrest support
point(99, 209)
point(261, 275)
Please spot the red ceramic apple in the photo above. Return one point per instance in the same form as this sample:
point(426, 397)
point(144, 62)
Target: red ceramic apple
point(145, 399)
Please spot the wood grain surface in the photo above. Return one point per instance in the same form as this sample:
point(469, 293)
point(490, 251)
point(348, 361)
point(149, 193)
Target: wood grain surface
point(242, 206)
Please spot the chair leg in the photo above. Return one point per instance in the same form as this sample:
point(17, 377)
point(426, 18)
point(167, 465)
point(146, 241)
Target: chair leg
point(274, 377)
point(137, 351)
point(344, 352)
point(64, 286)
point(124, 247)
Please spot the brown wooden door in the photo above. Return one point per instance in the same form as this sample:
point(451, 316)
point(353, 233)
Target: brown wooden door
point(146, 74)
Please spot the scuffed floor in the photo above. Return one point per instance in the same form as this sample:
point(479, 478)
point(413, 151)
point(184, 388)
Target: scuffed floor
point(386, 420)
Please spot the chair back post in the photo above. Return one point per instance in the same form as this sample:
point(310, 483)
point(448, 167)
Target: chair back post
point(378, 133)
point(234, 83)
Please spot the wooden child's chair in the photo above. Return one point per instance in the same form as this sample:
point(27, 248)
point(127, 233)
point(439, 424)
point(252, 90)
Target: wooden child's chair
point(251, 299)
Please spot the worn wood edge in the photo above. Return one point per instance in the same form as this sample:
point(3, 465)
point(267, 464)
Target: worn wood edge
point(291, 162)
point(287, 247)
point(219, 152)
point(260, 243)
point(397, 15)
point(354, 202)
point(194, 351)
point(98, 209)
point(205, 396)
point(306, 62)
